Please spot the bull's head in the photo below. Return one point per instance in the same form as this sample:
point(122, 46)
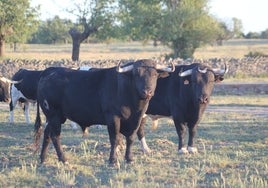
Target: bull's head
point(5, 88)
point(145, 74)
point(201, 80)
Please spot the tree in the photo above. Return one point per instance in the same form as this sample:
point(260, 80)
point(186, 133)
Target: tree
point(140, 20)
point(253, 35)
point(93, 16)
point(183, 25)
point(237, 28)
point(53, 31)
point(264, 34)
point(224, 34)
point(17, 21)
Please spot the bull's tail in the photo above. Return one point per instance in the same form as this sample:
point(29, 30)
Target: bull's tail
point(37, 128)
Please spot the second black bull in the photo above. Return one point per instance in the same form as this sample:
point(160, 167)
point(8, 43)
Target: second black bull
point(183, 96)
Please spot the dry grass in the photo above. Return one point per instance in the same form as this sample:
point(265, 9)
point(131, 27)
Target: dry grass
point(233, 49)
point(134, 50)
point(232, 153)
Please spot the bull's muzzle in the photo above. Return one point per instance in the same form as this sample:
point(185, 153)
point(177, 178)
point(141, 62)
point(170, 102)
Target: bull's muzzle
point(203, 99)
point(147, 94)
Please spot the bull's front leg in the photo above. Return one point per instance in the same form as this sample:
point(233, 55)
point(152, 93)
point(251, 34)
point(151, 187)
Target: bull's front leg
point(192, 133)
point(141, 137)
point(181, 131)
point(114, 136)
point(129, 144)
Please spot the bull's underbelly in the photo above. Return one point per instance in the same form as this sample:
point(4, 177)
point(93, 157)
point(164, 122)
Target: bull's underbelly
point(85, 118)
point(158, 111)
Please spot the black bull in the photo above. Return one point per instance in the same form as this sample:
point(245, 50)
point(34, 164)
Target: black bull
point(184, 96)
point(117, 97)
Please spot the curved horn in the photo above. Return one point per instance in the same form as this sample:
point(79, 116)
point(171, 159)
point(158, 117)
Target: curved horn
point(123, 69)
point(10, 81)
point(15, 82)
point(221, 71)
point(202, 70)
point(165, 68)
point(186, 73)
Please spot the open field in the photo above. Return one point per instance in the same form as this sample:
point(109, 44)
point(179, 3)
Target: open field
point(94, 51)
point(233, 48)
point(232, 52)
point(232, 152)
point(232, 137)
point(134, 50)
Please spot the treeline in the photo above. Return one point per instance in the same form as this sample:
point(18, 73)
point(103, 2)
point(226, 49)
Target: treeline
point(257, 35)
point(56, 31)
point(183, 26)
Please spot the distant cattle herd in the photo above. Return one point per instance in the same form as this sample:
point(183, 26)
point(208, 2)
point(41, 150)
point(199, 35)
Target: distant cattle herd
point(119, 94)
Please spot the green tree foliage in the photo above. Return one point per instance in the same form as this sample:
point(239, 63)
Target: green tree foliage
point(53, 31)
point(17, 21)
point(95, 17)
point(264, 34)
point(253, 35)
point(237, 28)
point(140, 20)
point(224, 33)
point(183, 25)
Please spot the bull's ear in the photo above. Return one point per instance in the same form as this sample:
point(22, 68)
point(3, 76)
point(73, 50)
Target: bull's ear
point(219, 78)
point(163, 74)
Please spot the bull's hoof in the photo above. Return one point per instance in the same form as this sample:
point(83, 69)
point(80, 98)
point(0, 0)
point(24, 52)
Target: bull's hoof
point(129, 160)
point(66, 163)
point(192, 150)
point(183, 151)
point(145, 147)
point(42, 160)
point(85, 133)
point(146, 151)
point(154, 127)
point(115, 164)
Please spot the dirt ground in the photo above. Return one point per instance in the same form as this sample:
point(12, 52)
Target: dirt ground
point(241, 88)
point(259, 111)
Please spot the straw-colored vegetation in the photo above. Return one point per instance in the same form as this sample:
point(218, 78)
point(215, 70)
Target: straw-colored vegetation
point(232, 153)
point(134, 50)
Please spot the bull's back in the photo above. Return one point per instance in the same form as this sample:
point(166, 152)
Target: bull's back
point(79, 95)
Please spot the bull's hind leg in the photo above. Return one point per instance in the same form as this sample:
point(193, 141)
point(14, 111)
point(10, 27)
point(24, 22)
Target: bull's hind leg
point(52, 132)
point(55, 137)
point(26, 112)
point(141, 136)
point(12, 106)
point(46, 141)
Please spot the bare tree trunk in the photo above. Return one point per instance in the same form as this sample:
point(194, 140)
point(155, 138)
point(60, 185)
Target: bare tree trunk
point(79, 37)
point(14, 46)
point(2, 45)
point(76, 50)
point(76, 38)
